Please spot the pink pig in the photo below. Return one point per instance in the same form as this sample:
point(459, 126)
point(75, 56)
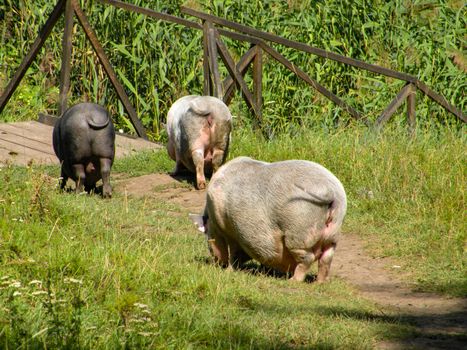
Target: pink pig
point(199, 129)
point(286, 215)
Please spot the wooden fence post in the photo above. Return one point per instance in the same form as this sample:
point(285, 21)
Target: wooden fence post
point(31, 55)
point(242, 67)
point(393, 106)
point(66, 57)
point(207, 83)
point(237, 76)
point(213, 65)
point(104, 61)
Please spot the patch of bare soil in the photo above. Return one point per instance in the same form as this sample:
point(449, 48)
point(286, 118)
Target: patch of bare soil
point(440, 322)
point(178, 190)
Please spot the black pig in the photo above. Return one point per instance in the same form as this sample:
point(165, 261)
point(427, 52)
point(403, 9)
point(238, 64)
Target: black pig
point(84, 142)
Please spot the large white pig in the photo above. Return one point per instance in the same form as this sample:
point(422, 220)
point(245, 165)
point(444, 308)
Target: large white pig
point(286, 215)
point(198, 129)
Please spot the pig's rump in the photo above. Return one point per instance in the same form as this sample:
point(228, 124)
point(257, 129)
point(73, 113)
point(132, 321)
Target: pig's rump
point(286, 210)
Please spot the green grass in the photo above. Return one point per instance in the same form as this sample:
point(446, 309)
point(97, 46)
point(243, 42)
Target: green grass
point(143, 163)
point(82, 272)
point(79, 271)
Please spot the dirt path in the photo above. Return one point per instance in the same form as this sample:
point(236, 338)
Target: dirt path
point(441, 323)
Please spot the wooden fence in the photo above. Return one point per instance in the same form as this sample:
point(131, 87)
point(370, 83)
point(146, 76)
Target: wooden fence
point(213, 47)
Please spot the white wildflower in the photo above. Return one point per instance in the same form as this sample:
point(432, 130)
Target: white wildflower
point(15, 284)
point(141, 306)
point(73, 280)
point(4, 278)
point(39, 292)
point(146, 334)
point(16, 293)
point(135, 320)
point(58, 301)
point(35, 282)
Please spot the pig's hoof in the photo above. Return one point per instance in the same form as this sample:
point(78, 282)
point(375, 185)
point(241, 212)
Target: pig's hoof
point(201, 185)
point(296, 278)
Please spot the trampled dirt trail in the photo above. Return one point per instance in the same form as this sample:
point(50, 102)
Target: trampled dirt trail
point(441, 323)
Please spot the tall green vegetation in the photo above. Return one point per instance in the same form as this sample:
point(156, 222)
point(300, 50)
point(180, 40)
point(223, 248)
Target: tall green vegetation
point(158, 62)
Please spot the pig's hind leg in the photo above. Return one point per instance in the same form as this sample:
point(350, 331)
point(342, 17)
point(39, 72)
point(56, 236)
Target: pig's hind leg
point(327, 247)
point(198, 160)
point(324, 262)
point(303, 249)
point(304, 259)
point(179, 167)
point(105, 165)
point(63, 178)
point(80, 176)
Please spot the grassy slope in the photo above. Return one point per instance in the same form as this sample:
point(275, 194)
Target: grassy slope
point(125, 272)
point(81, 271)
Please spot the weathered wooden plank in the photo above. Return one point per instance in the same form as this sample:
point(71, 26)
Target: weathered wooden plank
point(18, 142)
point(109, 70)
point(151, 13)
point(66, 59)
point(207, 83)
point(230, 64)
point(23, 158)
point(213, 65)
point(242, 66)
point(31, 55)
point(28, 131)
point(441, 100)
point(393, 106)
point(305, 77)
point(24, 142)
point(173, 19)
point(299, 46)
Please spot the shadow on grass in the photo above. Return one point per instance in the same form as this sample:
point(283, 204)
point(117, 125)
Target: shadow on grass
point(425, 330)
point(186, 176)
point(256, 269)
point(418, 330)
point(431, 330)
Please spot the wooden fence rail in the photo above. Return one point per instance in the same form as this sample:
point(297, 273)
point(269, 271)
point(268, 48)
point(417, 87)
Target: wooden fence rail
point(213, 48)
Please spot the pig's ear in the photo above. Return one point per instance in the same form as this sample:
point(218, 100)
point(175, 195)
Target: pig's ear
point(198, 221)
